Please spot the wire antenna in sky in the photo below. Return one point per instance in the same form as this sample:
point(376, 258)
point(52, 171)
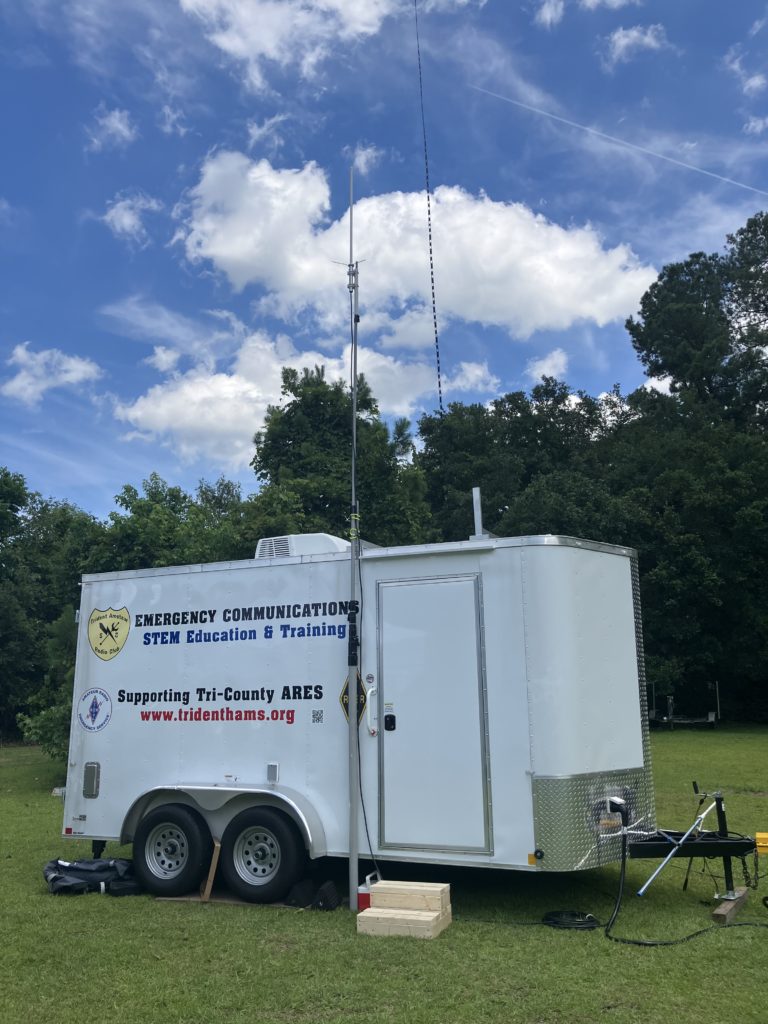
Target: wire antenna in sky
point(619, 142)
point(429, 208)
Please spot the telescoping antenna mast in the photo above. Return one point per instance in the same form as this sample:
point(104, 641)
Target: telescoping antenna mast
point(354, 521)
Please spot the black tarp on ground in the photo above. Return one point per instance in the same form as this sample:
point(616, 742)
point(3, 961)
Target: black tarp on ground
point(71, 878)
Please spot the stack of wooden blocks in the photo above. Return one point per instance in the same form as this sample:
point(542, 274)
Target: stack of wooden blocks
point(419, 909)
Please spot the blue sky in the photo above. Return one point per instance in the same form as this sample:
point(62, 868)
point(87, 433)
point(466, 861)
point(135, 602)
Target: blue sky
point(174, 192)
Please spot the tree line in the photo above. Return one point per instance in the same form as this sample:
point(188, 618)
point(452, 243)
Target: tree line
point(679, 473)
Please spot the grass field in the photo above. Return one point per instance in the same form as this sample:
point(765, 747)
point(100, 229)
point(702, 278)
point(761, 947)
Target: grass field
point(93, 957)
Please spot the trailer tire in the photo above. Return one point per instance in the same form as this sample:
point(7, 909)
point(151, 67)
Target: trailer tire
point(262, 855)
point(171, 850)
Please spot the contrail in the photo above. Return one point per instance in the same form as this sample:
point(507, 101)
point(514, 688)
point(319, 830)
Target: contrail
point(620, 142)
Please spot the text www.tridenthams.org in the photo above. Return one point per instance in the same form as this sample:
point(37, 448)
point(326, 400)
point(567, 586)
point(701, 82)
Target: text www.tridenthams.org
point(225, 714)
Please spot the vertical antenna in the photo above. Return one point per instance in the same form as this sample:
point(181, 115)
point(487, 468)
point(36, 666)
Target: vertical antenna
point(354, 521)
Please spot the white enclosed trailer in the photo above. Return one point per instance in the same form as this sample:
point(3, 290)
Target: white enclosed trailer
point(505, 707)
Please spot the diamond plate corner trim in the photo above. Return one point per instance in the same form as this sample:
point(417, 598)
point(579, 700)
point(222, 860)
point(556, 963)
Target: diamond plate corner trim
point(572, 826)
point(642, 683)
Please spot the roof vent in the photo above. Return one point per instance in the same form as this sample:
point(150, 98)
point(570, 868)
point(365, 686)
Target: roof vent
point(274, 547)
point(300, 544)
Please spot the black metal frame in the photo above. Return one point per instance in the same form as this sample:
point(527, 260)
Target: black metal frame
point(706, 844)
point(663, 843)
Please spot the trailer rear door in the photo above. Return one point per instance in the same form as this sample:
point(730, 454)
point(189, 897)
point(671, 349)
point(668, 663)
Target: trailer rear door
point(433, 741)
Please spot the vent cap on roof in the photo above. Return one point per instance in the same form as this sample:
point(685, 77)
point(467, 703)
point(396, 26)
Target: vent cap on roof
point(300, 544)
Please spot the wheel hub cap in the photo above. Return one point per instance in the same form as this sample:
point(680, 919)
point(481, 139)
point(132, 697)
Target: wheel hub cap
point(257, 856)
point(166, 851)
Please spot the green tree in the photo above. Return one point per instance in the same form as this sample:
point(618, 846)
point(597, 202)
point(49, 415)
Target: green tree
point(13, 499)
point(148, 532)
point(18, 664)
point(305, 452)
point(695, 496)
point(215, 521)
point(56, 544)
point(44, 547)
point(50, 707)
point(503, 448)
point(703, 326)
point(699, 459)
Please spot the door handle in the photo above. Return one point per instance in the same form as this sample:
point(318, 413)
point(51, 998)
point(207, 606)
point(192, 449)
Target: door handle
point(370, 694)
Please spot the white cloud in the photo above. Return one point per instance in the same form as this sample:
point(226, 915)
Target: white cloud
point(472, 377)
point(554, 364)
point(7, 212)
point(483, 59)
point(165, 37)
point(213, 415)
point(496, 263)
point(200, 416)
point(613, 5)
point(625, 43)
point(758, 26)
point(296, 33)
point(169, 331)
point(124, 216)
point(550, 13)
point(660, 384)
point(96, 32)
point(42, 371)
point(266, 134)
point(755, 126)
point(439, 5)
point(754, 84)
point(365, 158)
point(163, 359)
point(413, 329)
point(699, 224)
point(112, 129)
point(171, 121)
point(400, 385)
point(751, 84)
point(292, 32)
point(255, 222)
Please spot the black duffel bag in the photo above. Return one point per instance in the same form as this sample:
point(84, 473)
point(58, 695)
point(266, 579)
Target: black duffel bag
point(72, 877)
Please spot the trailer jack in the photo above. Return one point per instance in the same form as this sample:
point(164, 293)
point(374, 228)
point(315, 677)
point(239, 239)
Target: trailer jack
point(662, 843)
point(697, 842)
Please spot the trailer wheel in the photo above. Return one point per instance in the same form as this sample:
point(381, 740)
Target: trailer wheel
point(171, 850)
point(262, 855)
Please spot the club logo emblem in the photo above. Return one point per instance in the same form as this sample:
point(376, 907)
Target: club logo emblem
point(94, 710)
point(108, 631)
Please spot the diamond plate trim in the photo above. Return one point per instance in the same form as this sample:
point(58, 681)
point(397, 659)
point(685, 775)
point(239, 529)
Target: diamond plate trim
point(573, 828)
point(642, 680)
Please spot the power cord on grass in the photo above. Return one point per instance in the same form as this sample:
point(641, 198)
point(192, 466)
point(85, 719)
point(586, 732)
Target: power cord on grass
point(578, 921)
point(620, 895)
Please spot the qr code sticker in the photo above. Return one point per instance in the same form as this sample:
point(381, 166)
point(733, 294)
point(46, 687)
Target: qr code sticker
point(317, 716)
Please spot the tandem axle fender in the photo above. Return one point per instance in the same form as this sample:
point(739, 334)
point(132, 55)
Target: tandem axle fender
point(218, 805)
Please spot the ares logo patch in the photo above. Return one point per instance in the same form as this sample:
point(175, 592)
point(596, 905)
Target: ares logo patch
point(108, 631)
point(94, 710)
